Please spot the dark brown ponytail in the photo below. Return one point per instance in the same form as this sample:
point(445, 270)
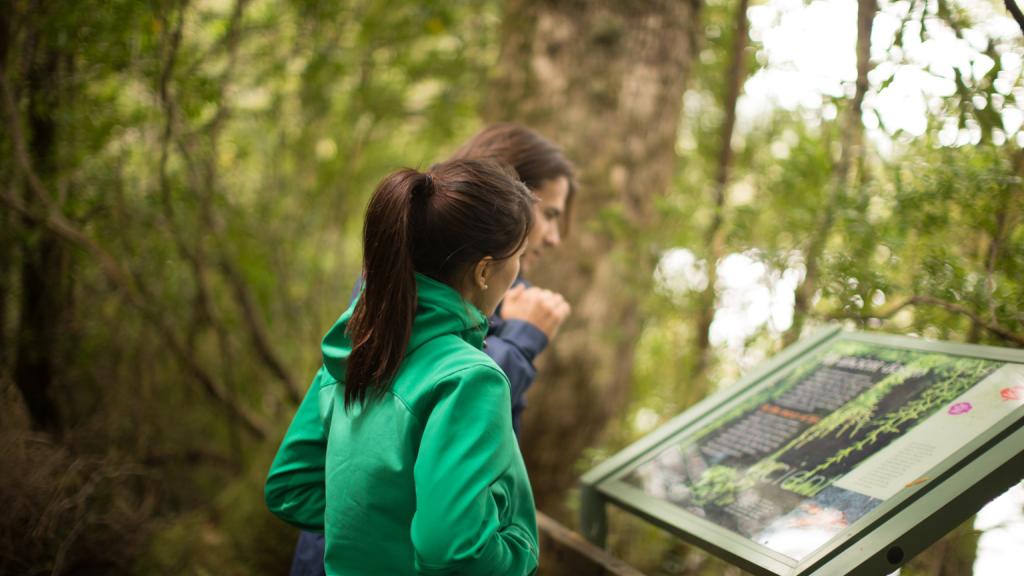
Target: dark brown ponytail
point(436, 223)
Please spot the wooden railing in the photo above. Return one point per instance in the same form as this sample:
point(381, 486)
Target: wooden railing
point(566, 553)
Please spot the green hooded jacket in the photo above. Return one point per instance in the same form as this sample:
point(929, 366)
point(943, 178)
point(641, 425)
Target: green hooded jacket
point(427, 479)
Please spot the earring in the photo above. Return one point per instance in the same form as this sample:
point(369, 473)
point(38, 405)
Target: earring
point(486, 286)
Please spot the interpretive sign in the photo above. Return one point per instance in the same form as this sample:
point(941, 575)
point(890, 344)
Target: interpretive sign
point(821, 462)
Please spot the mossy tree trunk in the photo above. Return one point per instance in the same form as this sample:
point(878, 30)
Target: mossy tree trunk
point(45, 261)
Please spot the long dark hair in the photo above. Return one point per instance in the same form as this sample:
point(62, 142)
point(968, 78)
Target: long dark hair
point(534, 158)
point(438, 223)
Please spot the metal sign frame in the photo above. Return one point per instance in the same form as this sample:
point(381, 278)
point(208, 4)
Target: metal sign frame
point(880, 541)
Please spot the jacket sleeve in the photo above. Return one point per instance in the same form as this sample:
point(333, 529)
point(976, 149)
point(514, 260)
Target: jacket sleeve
point(513, 347)
point(295, 491)
point(466, 446)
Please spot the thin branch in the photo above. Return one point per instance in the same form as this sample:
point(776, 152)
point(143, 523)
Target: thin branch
point(204, 187)
point(715, 234)
point(257, 329)
point(250, 420)
point(889, 312)
point(53, 219)
point(995, 246)
point(1011, 5)
point(59, 225)
point(231, 40)
point(193, 257)
point(851, 150)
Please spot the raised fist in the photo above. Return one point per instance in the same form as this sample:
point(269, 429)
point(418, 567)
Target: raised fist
point(543, 308)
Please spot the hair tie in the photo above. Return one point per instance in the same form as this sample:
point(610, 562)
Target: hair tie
point(424, 190)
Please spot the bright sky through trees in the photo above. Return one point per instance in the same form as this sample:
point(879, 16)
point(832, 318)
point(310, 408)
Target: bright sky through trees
point(808, 56)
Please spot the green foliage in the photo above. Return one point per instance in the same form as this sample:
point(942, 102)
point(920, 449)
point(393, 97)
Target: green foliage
point(210, 147)
point(221, 151)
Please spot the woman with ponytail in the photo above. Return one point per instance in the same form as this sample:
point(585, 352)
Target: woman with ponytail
point(403, 450)
point(529, 318)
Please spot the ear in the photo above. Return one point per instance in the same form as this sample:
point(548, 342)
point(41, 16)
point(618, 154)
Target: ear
point(482, 273)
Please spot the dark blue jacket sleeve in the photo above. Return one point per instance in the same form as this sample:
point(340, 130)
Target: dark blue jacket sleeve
point(513, 344)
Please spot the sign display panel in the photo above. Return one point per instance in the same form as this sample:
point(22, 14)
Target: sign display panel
point(791, 463)
point(804, 458)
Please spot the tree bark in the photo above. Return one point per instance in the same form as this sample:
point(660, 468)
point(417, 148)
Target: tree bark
point(45, 260)
point(714, 236)
point(852, 143)
point(1004, 224)
point(605, 80)
point(8, 225)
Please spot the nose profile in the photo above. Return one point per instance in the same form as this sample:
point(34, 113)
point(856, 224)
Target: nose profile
point(553, 238)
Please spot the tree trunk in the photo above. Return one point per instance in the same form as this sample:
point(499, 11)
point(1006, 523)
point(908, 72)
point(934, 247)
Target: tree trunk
point(605, 80)
point(852, 144)
point(8, 224)
point(45, 259)
point(714, 236)
point(1004, 224)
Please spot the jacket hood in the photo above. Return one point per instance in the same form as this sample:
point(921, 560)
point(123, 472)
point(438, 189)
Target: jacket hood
point(440, 310)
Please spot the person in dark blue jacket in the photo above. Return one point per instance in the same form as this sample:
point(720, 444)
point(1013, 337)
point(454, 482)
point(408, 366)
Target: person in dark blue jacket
point(529, 317)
